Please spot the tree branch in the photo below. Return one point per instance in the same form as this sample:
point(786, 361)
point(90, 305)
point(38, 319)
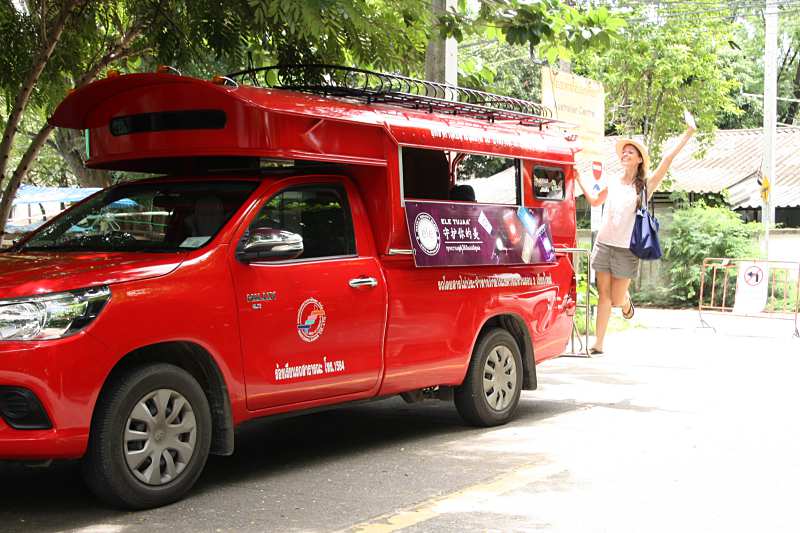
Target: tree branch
point(787, 61)
point(120, 49)
point(22, 169)
point(23, 96)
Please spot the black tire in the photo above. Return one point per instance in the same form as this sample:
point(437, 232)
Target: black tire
point(105, 465)
point(498, 404)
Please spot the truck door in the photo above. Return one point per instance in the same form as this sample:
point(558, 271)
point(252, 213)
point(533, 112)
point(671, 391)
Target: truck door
point(312, 327)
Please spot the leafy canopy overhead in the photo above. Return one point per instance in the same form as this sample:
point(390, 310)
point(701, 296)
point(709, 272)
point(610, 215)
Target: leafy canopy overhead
point(657, 69)
point(554, 26)
point(51, 46)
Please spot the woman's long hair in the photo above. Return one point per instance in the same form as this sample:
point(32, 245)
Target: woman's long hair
point(640, 179)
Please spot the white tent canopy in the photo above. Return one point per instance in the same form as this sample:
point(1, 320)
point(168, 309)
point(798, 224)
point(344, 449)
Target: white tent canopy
point(29, 194)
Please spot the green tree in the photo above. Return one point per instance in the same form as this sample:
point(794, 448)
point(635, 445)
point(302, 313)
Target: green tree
point(746, 56)
point(698, 232)
point(661, 66)
point(555, 28)
point(55, 45)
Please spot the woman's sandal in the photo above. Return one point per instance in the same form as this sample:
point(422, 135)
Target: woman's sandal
point(595, 351)
point(631, 310)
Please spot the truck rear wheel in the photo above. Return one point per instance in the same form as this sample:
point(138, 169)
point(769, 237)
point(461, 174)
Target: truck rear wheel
point(490, 393)
point(150, 438)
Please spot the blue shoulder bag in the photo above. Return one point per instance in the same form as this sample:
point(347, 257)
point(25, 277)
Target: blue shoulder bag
point(644, 240)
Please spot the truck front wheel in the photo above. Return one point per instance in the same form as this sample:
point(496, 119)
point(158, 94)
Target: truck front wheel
point(490, 393)
point(150, 438)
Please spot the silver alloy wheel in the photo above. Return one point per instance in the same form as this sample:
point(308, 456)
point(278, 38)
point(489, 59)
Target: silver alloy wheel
point(160, 437)
point(500, 378)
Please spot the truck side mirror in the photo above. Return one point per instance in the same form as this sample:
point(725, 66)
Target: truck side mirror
point(269, 244)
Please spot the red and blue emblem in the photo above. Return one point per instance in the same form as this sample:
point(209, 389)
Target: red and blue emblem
point(311, 320)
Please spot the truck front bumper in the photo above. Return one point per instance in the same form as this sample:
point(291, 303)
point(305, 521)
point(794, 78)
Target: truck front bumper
point(47, 394)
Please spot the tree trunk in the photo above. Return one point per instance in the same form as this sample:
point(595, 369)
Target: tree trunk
point(70, 144)
point(118, 50)
point(24, 94)
point(441, 55)
point(791, 111)
point(22, 169)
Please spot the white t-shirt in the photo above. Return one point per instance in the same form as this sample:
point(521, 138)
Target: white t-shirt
point(619, 214)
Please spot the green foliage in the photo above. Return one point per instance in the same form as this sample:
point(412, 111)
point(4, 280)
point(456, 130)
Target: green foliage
point(366, 33)
point(783, 290)
point(696, 233)
point(200, 38)
point(554, 26)
point(746, 57)
point(582, 283)
point(784, 298)
point(494, 65)
point(660, 67)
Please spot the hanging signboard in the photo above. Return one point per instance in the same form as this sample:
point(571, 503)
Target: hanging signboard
point(752, 284)
point(445, 234)
point(580, 101)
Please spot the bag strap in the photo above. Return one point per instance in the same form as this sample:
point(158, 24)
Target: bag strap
point(644, 196)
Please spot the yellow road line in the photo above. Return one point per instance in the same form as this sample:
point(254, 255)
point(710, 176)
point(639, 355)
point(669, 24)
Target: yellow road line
point(468, 498)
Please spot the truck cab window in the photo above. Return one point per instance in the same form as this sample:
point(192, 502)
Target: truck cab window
point(320, 215)
point(146, 217)
point(548, 183)
point(426, 174)
point(494, 179)
point(447, 175)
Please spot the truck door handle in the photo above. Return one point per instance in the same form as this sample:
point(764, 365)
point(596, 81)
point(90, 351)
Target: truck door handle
point(363, 282)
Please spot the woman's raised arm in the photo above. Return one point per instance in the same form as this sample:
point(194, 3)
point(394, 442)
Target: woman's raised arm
point(655, 180)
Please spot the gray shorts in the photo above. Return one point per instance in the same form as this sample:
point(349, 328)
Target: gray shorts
point(620, 262)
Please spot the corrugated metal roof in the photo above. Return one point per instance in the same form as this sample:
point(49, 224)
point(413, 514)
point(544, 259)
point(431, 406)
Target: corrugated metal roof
point(731, 162)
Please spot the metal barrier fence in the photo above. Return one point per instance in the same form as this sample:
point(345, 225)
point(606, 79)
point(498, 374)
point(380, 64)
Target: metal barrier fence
point(780, 295)
point(583, 343)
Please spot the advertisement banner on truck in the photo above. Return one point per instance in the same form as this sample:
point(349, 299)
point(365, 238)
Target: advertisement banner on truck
point(445, 234)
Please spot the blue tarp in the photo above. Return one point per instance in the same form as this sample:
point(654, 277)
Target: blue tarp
point(28, 194)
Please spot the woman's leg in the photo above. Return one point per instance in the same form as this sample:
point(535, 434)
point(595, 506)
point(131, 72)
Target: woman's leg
point(603, 282)
point(612, 292)
point(619, 292)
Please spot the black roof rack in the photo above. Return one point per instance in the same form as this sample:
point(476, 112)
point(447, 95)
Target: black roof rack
point(393, 89)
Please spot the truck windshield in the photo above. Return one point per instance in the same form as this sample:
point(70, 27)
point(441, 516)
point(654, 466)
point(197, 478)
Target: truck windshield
point(145, 217)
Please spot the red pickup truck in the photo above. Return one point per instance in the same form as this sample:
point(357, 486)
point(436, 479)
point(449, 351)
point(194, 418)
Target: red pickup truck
point(304, 246)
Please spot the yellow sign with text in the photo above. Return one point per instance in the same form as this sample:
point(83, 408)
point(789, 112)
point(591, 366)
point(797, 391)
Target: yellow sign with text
point(580, 101)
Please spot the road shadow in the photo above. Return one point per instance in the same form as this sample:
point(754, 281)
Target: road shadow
point(55, 498)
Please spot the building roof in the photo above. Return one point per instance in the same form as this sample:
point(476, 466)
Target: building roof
point(733, 162)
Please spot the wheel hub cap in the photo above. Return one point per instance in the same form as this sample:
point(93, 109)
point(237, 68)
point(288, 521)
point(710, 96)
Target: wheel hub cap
point(160, 437)
point(500, 378)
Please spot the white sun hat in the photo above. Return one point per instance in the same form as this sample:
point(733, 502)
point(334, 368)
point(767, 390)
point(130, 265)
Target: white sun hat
point(639, 146)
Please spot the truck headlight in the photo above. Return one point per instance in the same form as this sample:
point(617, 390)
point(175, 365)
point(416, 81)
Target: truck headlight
point(50, 316)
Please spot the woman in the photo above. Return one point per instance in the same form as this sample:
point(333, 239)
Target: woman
point(613, 262)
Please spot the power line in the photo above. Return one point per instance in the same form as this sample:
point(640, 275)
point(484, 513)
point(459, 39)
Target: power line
point(732, 7)
point(681, 9)
point(685, 3)
point(715, 15)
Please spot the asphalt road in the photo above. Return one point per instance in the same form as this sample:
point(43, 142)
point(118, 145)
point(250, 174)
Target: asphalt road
point(674, 429)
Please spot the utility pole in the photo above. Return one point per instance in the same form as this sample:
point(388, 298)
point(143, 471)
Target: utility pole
point(770, 113)
point(441, 59)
